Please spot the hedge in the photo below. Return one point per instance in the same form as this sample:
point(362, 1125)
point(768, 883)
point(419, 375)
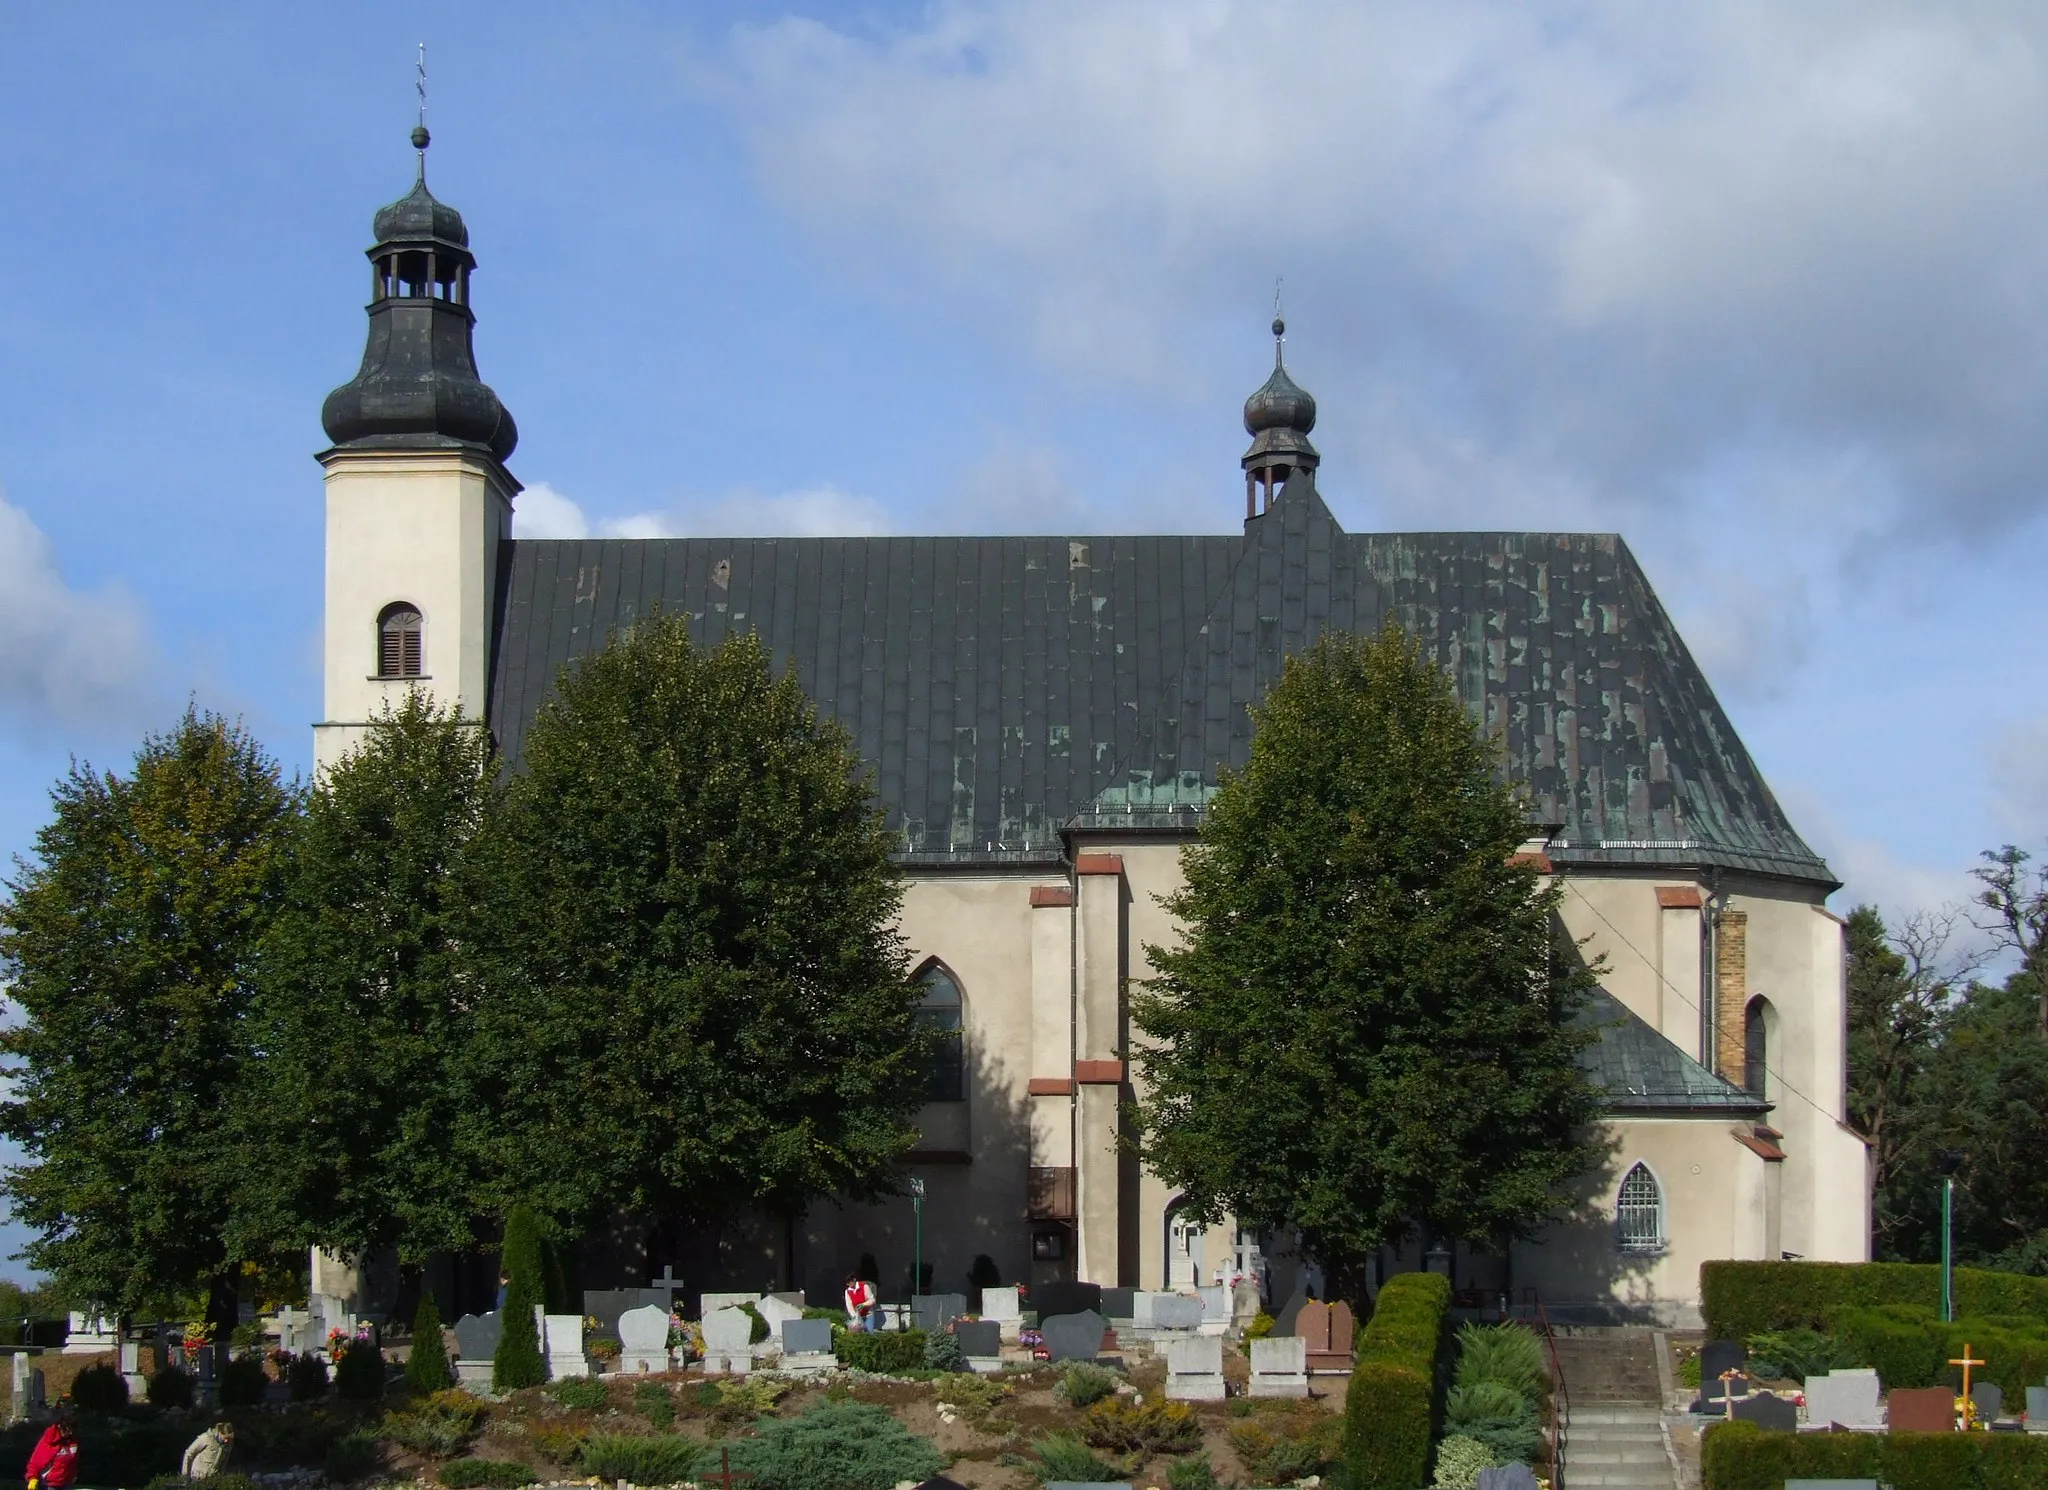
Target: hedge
point(1908, 1347)
point(1740, 1299)
point(884, 1352)
point(1390, 1408)
point(1742, 1456)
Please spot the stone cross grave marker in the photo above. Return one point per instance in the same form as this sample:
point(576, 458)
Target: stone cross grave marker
point(643, 1339)
point(1929, 1410)
point(1766, 1410)
point(726, 1335)
point(1851, 1398)
point(1073, 1337)
point(1279, 1367)
point(932, 1312)
point(1194, 1369)
point(1969, 1398)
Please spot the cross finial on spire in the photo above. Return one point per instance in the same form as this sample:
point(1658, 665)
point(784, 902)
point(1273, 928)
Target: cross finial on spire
point(1279, 326)
point(420, 137)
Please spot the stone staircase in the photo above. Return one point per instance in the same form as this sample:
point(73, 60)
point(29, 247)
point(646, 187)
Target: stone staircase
point(1614, 1434)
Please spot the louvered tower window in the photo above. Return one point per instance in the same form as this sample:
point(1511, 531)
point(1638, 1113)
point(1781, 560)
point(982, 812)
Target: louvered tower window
point(1639, 1212)
point(399, 652)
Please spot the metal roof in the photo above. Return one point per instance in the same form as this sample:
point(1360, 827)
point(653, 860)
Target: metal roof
point(1643, 1072)
point(1006, 688)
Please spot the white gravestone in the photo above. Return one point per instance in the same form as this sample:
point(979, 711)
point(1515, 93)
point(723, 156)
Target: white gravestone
point(1003, 1306)
point(1215, 1310)
point(565, 1346)
point(1194, 1369)
point(807, 1346)
point(1850, 1398)
point(90, 1333)
point(726, 1336)
point(643, 1340)
point(1279, 1367)
point(28, 1386)
point(777, 1312)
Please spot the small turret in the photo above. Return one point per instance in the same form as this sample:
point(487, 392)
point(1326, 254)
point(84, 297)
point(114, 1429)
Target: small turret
point(1278, 418)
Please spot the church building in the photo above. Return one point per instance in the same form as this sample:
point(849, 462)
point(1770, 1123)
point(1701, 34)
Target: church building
point(1046, 719)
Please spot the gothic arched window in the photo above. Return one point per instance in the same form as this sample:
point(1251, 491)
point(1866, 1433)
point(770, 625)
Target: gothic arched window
point(1756, 1046)
point(1639, 1212)
point(399, 652)
point(945, 1077)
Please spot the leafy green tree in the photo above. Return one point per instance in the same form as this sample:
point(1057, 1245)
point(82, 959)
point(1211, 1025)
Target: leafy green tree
point(1373, 1020)
point(129, 939)
point(518, 1361)
point(364, 1003)
point(698, 1001)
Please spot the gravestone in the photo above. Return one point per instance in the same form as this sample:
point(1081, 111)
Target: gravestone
point(28, 1386)
point(607, 1305)
point(1245, 1302)
point(90, 1333)
point(476, 1343)
point(1194, 1369)
point(777, 1312)
point(1073, 1337)
point(807, 1345)
point(932, 1312)
point(1927, 1410)
point(1118, 1303)
point(1766, 1410)
point(1279, 1367)
point(1717, 1356)
point(710, 1303)
point(1003, 1307)
point(1215, 1308)
point(981, 1341)
point(2037, 1409)
point(1989, 1398)
point(1506, 1477)
point(1327, 1329)
point(564, 1339)
point(643, 1339)
point(1851, 1398)
point(726, 1335)
point(1290, 1310)
point(1171, 1311)
point(1066, 1298)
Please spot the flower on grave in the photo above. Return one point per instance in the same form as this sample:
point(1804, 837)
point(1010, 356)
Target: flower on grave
point(194, 1335)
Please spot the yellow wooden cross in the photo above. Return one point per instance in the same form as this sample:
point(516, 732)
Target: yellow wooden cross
point(1969, 1403)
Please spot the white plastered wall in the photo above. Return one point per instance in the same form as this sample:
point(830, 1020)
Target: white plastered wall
point(421, 527)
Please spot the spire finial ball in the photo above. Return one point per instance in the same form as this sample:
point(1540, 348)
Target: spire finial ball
point(1279, 327)
point(420, 137)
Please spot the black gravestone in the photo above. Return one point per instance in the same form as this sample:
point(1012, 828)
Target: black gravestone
point(1717, 1356)
point(605, 1305)
point(1117, 1303)
point(1065, 1298)
point(979, 1338)
point(1073, 1337)
point(1283, 1322)
point(1766, 1410)
point(1990, 1399)
point(477, 1336)
point(807, 1336)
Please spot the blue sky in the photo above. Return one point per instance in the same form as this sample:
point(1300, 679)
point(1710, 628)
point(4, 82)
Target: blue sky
point(1761, 288)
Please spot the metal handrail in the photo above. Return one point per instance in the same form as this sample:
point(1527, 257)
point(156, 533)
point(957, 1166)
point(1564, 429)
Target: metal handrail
point(1532, 1309)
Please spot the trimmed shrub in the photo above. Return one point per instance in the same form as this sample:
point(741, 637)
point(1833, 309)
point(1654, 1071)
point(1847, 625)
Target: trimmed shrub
point(99, 1389)
point(307, 1377)
point(942, 1352)
point(1458, 1462)
point(1894, 1341)
point(1740, 1299)
point(355, 1455)
point(1742, 1456)
point(1062, 1456)
point(1082, 1384)
point(485, 1474)
point(884, 1354)
point(359, 1374)
point(652, 1401)
point(170, 1388)
point(243, 1382)
point(1390, 1409)
point(426, 1368)
point(112, 1452)
point(836, 1446)
point(517, 1362)
point(580, 1393)
point(1120, 1425)
point(667, 1460)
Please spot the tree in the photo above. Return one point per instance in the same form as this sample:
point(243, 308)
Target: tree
point(2017, 900)
point(698, 1003)
point(426, 1368)
point(1899, 992)
point(364, 1001)
point(1373, 1019)
point(518, 1361)
point(129, 940)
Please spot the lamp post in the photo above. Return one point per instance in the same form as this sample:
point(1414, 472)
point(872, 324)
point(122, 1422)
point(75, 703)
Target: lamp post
point(917, 1235)
point(1951, 1161)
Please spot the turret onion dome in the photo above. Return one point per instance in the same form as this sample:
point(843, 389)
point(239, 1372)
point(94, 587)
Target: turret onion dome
point(1279, 403)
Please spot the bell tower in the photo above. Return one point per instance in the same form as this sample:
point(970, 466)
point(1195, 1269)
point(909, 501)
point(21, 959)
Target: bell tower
point(418, 497)
point(1278, 418)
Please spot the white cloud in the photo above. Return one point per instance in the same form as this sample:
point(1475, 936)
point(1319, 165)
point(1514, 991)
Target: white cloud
point(1659, 264)
point(2017, 760)
point(67, 657)
point(542, 512)
point(814, 512)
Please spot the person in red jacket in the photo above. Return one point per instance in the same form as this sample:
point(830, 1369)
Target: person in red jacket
point(54, 1463)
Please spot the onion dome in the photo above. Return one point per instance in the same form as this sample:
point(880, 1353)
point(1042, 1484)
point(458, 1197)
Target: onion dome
point(1278, 418)
point(418, 386)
